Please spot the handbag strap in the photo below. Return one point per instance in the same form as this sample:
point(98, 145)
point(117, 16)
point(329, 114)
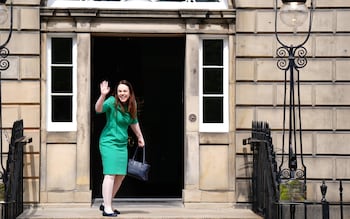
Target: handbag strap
point(143, 153)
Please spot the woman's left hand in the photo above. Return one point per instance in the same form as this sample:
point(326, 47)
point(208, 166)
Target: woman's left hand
point(141, 142)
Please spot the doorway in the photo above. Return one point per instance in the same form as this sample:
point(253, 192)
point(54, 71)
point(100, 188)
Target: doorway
point(155, 68)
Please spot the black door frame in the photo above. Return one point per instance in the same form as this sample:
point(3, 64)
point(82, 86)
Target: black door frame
point(156, 70)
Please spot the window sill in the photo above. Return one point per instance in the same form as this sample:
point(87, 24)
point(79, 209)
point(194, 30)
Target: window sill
point(61, 137)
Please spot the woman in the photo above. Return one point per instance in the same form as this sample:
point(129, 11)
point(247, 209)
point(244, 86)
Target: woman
point(121, 112)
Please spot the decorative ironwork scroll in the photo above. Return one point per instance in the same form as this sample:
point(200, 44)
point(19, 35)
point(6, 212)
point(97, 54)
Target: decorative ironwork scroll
point(291, 55)
point(4, 62)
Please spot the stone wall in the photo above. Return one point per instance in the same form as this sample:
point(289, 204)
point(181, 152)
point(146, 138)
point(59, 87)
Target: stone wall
point(21, 88)
point(324, 91)
point(257, 88)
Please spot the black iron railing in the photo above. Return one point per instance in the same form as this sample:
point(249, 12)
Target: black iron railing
point(266, 182)
point(12, 174)
point(264, 179)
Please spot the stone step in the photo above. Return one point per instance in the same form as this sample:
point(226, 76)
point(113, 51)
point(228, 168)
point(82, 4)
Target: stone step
point(137, 210)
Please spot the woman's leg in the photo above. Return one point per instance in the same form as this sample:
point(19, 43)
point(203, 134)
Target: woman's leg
point(107, 190)
point(117, 183)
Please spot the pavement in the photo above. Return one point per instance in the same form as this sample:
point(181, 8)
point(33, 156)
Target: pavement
point(137, 210)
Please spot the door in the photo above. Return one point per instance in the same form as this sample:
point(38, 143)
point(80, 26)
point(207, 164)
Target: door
point(155, 68)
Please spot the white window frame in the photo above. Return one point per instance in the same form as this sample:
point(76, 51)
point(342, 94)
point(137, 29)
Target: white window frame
point(61, 126)
point(215, 127)
point(138, 4)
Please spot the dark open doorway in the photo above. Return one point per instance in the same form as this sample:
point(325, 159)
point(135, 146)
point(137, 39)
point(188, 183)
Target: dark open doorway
point(155, 67)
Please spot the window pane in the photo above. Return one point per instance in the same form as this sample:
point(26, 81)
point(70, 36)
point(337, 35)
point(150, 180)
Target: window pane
point(62, 50)
point(213, 81)
point(62, 80)
point(62, 109)
point(213, 110)
point(213, 52)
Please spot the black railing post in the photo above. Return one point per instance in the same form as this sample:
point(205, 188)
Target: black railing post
point(325, 204)
point(13, 173)
point(292, 211)
point(341, 199)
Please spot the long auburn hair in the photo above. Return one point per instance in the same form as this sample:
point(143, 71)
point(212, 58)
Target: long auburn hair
point(131, 102)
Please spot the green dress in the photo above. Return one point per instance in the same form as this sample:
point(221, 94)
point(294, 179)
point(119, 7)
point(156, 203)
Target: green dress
point(114, 138)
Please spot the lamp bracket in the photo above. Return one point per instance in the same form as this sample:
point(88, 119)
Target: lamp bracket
point(11, 28)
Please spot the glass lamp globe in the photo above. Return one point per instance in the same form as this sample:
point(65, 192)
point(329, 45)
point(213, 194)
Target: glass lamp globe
point(3, 13)
point(293, 14)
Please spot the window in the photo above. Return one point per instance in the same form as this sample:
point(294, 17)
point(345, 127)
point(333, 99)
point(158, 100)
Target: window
point(61, 84)
point(140, 4)
point(213, 85)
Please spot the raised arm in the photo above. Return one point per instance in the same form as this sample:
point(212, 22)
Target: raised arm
point(136, 129)
point(104, 89)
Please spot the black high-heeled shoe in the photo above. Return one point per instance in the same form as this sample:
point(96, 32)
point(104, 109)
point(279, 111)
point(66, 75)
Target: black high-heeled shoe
point(102, 208)
point(109, 215)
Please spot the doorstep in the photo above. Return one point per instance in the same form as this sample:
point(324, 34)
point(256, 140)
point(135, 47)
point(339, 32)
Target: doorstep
point(160, 209)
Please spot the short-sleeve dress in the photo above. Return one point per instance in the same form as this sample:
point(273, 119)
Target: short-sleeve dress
point(114, 138)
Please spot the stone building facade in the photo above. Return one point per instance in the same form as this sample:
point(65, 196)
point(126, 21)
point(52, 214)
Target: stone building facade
point(324, 84)
point(215, 169)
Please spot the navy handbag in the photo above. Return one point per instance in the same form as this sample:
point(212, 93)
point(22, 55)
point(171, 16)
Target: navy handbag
point(138, 169)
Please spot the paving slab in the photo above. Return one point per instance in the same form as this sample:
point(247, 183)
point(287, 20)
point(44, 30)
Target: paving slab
point(136, 210)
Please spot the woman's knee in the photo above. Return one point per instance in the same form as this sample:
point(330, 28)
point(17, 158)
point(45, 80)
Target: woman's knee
point(120, 177)
point(109, 177)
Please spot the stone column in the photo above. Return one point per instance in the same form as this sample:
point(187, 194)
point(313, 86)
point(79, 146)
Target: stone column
point(83, 193)
point(191, 191)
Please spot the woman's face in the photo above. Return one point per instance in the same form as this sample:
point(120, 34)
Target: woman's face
point(123, 92)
